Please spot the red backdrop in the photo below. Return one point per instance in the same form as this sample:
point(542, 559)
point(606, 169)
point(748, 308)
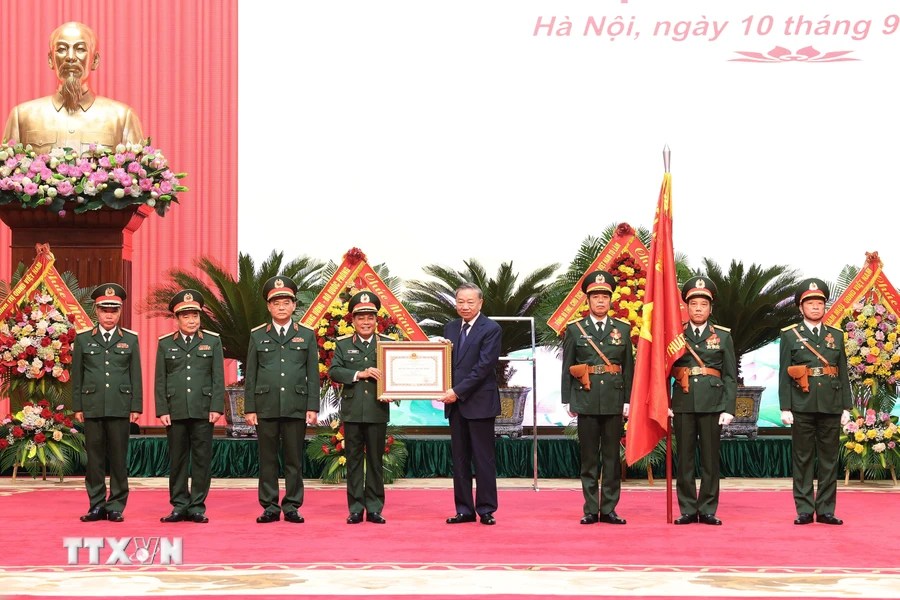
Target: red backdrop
point(175, 63)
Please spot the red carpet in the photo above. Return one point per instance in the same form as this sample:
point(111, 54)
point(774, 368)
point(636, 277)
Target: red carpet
point(534, 528)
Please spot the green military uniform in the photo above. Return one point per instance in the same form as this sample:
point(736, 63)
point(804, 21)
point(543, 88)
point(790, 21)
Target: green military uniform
point(282, 384)
point(599, 409)
point(365, 421)
point(107, 388)
point(816, 430)
point(697, 410)
point(190, 384)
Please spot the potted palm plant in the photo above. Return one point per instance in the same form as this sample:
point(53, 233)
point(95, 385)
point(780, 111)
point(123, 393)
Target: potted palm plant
point(434, 304)
point(234, 306)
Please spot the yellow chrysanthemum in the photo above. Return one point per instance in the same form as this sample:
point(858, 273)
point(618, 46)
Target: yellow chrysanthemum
point(321, 331)
point(859, 436)
point(870, 369)
point(329, 345)
point(871, 341)
point(855, 360)
point(626, 269)
point(872, 434)
point(625, 290)
point(342, 460)
point(850, 445)
point(858, 449)
point(892, 337)
point(872, 322)
point(322, 368)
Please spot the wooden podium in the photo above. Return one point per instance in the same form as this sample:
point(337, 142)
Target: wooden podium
point(96, 246)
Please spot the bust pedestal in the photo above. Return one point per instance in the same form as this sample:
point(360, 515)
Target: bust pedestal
point(95, 246)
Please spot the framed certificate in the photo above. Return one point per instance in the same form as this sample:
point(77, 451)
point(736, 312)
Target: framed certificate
point(413, 370)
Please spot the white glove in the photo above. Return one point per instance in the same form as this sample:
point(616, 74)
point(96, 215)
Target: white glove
point(671, 414)
point(787, 417)
point(845, 417)
point(725, 419)
point(625, 408)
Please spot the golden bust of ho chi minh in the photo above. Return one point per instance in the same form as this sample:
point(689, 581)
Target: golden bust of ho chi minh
point(74, 117)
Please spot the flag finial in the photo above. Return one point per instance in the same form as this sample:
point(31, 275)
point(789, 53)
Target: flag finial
point(667, 158)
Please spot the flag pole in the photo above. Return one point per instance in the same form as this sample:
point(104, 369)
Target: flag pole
point(667, 164)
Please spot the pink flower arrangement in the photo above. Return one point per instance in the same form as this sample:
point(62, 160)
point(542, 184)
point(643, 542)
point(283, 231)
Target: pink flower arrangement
point(117, 178)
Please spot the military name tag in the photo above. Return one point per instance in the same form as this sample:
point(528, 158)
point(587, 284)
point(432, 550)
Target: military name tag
point(352, 351)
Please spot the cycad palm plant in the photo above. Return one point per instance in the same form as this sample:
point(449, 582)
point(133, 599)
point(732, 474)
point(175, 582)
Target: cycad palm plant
point(234, 306)
point(433, 302)
point(756, 302)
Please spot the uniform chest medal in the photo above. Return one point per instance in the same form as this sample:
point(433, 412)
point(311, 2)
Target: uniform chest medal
point(615, 337)
point(712, 342)
point(829, 341)
point(298, 340)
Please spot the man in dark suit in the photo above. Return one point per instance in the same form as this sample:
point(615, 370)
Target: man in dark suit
point(703, 399)
point(597, 370)
point(281, 397)
point(365, 417)
point(107, 394)
point(472, 404)
point(190, 398)
point(814, 393)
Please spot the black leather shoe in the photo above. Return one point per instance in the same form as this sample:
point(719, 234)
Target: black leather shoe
point(95, 514)
point(199, 518)
point(686, 519)
point(710, 520)
point(829, 519)
point(803, 519)
point(488, 519)
point(375, 518)
point(293, 517)
point(354, 518)
point(460, 518)
point(173, 517)
point(612, 518)
point(115, 516)
point(269, 517)
point(589, 519)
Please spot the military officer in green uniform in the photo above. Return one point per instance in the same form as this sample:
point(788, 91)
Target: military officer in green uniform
point(597, 369)
point(814, 393)
point(365, 418)
point(190, 398)
point(281, 397)
point(703, 400)
point(107, 394)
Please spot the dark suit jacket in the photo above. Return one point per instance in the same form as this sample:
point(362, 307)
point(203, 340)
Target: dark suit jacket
point(706, 393)
point(609, 391)
point(474, 368)
point(106, 377)
point(190, 381)
point(826, 394)
point(282, 378)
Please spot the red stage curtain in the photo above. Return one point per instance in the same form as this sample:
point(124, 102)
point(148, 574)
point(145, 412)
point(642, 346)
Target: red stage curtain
point(175, 63)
